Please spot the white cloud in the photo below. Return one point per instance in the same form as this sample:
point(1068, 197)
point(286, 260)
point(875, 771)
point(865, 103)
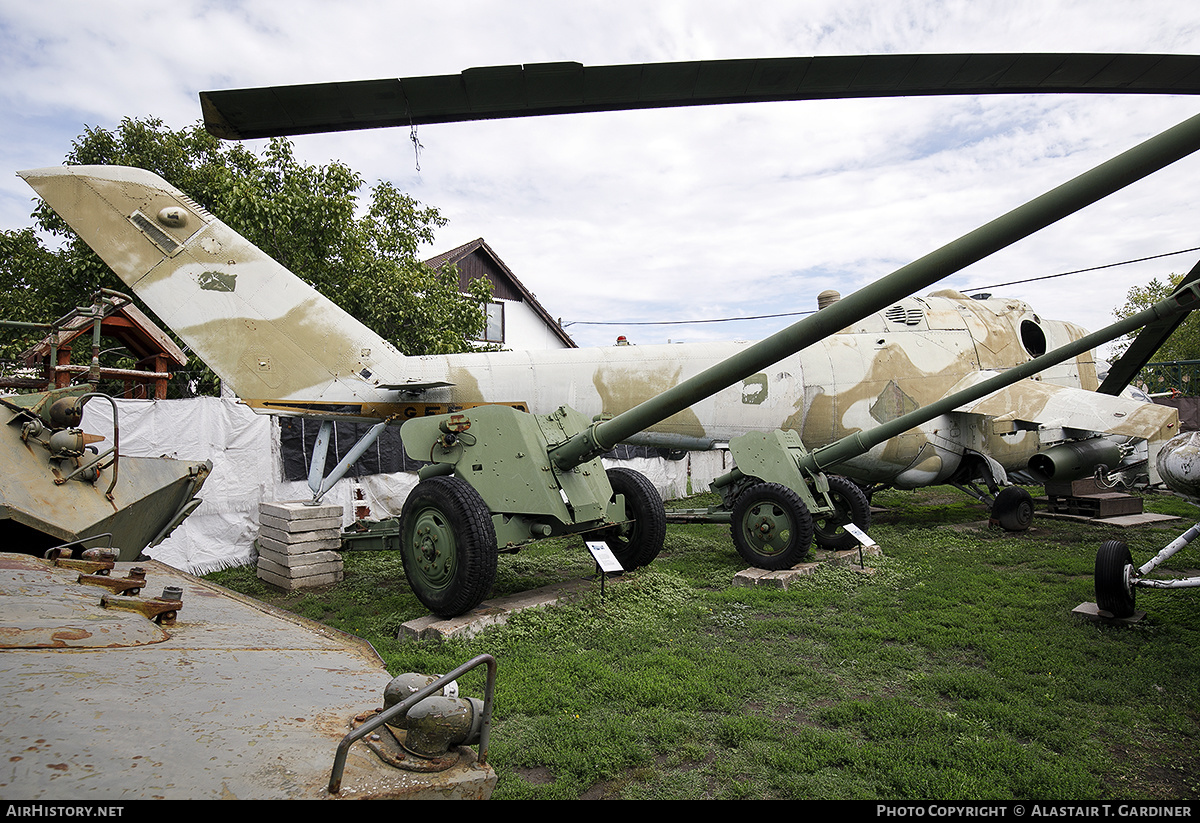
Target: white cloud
point(661, 214)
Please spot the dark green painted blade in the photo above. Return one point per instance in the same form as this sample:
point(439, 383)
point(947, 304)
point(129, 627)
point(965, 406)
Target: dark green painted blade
point(566, 88)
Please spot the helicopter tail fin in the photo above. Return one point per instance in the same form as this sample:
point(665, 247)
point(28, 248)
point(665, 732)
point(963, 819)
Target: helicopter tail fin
point(269, 336)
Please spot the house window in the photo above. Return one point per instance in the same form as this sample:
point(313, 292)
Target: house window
point(494, 333)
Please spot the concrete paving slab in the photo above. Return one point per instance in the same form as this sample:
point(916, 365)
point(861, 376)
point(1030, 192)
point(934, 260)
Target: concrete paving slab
point(296, 538)
point(302, 547)
point(785, 577)
point(1090, 611)
point(291, 583)
point(298, 510)
point(299, 526)
point(493, 612)
point(1122, 521)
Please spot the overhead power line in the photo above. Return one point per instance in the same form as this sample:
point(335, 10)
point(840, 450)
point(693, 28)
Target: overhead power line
point(971, 290)
point(1080, 271)
point(682, 322)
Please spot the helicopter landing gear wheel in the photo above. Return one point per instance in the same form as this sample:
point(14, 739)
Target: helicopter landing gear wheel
point(1013, 509)
point(850, 506)
point(1114, 568)
point(639, 541)
point(772, 528)
point(448, 544)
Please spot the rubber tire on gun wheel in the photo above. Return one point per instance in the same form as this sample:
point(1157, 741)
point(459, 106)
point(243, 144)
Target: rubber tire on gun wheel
point(638, 542)
point(851, 505)
point(772, 528)
point(1114, 565)
point(448, 544)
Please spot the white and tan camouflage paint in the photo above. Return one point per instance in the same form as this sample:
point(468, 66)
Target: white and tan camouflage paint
point(283, 347)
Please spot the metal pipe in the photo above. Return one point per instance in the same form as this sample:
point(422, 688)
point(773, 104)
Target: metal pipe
point(109, 372)
point(346, 462)
point(1128, 167)
point(316, 469)
point(1169, 550)
point(401, 709)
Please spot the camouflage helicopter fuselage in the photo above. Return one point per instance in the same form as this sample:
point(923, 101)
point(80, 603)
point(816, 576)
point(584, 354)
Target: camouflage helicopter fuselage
point(884, 366)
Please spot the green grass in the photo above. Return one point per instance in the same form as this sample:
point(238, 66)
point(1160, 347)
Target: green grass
point(954, 671)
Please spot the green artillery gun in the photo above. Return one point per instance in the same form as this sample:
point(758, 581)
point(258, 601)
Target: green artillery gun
point(500, 478)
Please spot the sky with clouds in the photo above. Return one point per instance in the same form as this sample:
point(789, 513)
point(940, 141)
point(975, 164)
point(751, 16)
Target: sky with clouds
point(631, 218)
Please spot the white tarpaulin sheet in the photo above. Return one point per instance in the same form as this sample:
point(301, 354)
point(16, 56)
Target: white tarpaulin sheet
point(244, 450)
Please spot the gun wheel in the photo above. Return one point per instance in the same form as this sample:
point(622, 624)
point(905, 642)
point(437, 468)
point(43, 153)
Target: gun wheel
point(1114, 570)
point(639, 541)
point(448, 544)
point(1013, 509)
point(772, 528)
point(850, 506)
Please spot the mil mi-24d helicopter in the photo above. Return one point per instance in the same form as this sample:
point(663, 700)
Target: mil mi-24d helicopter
point(881, 387)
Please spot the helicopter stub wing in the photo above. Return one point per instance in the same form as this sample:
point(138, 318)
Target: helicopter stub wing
point(563, 88)
point(1034, 404)
point(273, 338)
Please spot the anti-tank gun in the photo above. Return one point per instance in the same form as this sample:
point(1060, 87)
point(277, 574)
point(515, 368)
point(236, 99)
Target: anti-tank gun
point(500, 478)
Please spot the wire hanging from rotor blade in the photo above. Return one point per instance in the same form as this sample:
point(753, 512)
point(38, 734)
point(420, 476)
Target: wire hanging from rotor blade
point(417, 147)
point(412, 134)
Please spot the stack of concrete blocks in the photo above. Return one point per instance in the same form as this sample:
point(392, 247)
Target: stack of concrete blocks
point(298, 543)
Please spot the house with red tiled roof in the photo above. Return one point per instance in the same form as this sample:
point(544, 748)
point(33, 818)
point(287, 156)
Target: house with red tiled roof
point(516, 320)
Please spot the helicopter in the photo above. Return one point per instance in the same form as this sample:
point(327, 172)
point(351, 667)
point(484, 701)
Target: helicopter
point(285, 349)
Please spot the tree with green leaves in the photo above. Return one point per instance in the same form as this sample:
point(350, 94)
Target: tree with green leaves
point(363, 255)
point(1184, 343)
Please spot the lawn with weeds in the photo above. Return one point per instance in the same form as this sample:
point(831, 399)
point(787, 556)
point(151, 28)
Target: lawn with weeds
point(953, 670)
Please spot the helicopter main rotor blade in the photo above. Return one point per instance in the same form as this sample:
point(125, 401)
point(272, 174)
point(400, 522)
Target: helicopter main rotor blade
point(564, 88)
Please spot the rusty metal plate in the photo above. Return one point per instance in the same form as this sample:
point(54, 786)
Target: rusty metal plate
point(43, 607)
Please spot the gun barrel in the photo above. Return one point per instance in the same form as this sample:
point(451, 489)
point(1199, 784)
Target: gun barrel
point(1126, 168)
